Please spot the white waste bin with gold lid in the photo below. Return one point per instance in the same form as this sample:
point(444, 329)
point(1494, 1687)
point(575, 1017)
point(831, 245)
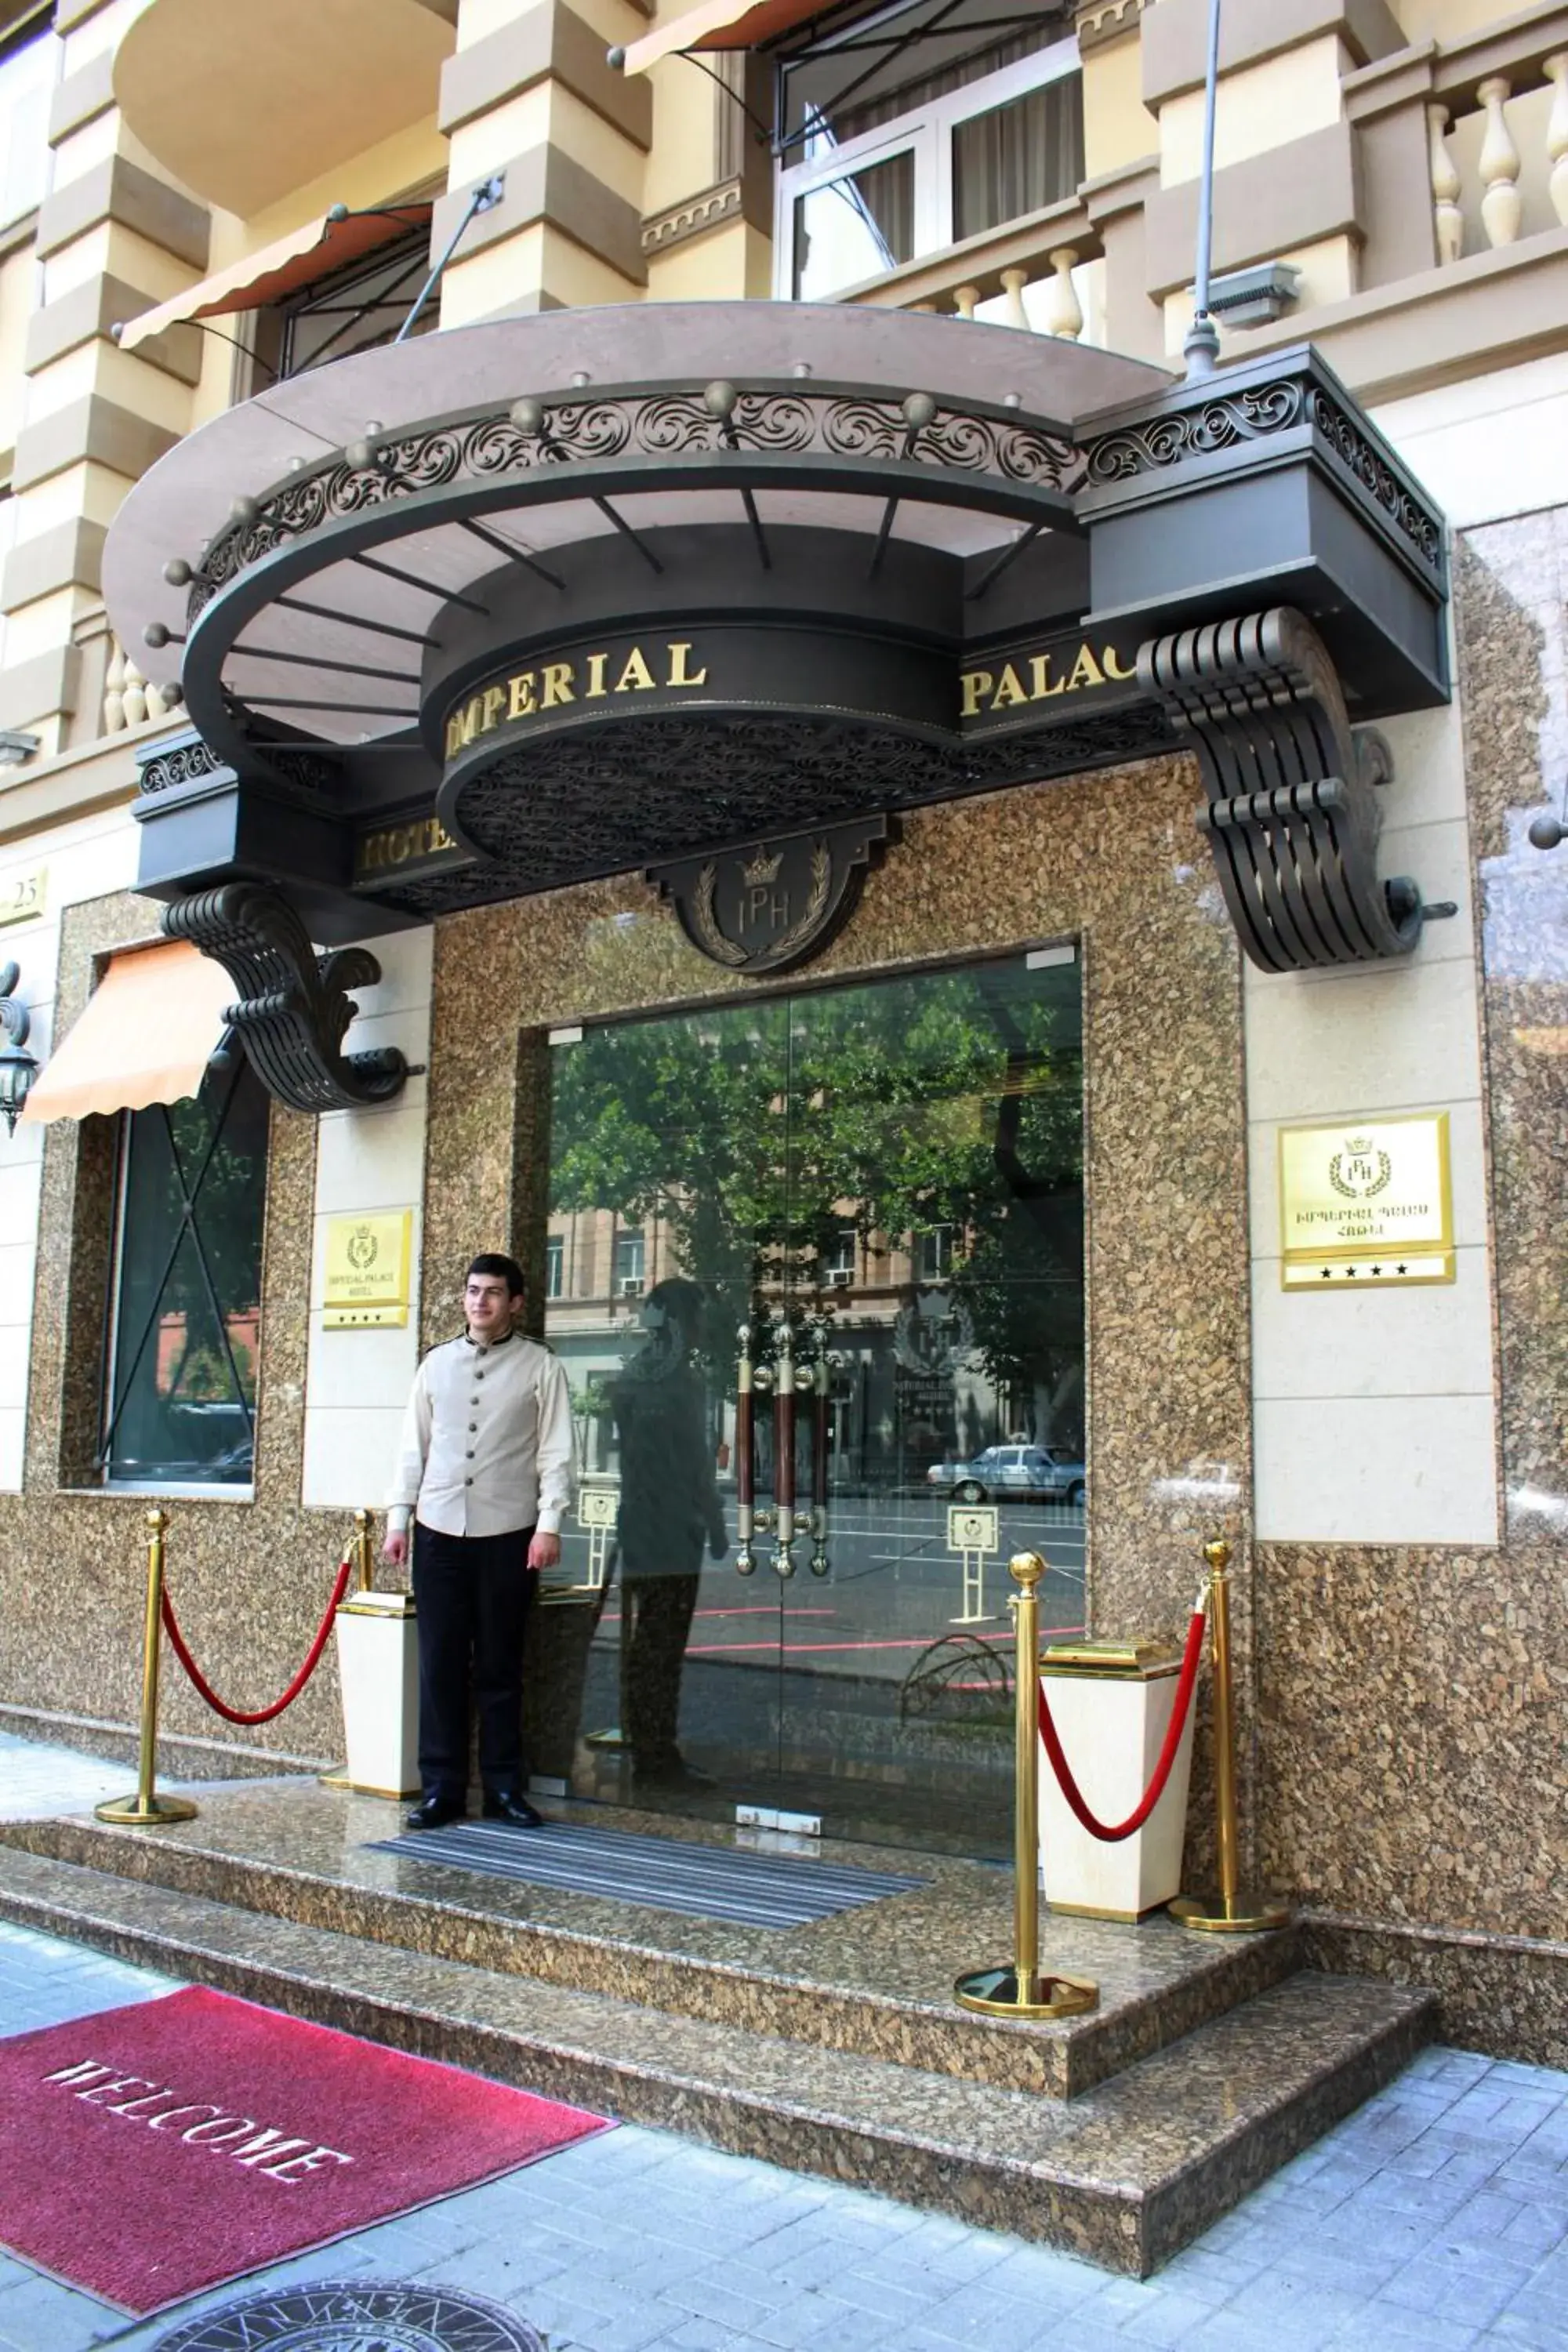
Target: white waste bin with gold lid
point(378, 1669)
point(1110, 1702)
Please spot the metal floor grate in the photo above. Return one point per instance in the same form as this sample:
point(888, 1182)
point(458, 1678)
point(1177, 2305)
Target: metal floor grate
point(705, 1882)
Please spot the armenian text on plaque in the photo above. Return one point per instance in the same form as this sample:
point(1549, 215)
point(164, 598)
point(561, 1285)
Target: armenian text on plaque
point(1366, 1201)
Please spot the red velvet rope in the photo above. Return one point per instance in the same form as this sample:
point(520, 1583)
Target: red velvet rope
point(1156, 1789)
point(312, 1657)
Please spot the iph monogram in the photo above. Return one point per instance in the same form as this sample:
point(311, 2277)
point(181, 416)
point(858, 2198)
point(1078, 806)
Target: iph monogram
point(760, 903)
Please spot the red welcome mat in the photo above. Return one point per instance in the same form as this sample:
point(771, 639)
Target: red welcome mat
point(152, 2151)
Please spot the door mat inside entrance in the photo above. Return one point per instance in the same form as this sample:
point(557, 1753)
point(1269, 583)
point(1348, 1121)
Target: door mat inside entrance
point(152, 2151)
point(705, 1882)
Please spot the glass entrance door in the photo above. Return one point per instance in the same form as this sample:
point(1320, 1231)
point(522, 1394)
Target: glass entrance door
point(889, 1179)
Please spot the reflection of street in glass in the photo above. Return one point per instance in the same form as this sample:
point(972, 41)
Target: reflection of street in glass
point(893, 1588)
point(891, 1171)
point(669, 1506)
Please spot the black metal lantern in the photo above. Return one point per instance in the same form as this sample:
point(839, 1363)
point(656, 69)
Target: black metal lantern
point(17, 1067)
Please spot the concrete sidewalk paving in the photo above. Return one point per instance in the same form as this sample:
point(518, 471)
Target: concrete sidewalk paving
point(1433, 2219)
point(36, 1780)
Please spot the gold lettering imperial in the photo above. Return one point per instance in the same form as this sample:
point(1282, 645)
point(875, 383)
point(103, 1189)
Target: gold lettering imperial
point(585, 677)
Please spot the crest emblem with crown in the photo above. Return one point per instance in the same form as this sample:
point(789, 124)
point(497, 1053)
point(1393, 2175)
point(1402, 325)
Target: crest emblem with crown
point(773, 903)
point(1361, 1170)
point(933, 1334)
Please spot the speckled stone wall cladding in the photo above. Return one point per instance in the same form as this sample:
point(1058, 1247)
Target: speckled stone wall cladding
point(1113, 860)
point(250, 1580)
point(1415, 1702)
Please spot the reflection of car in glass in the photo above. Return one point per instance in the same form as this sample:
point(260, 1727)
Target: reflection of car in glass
point(1038, 1473)
point(204, 1443)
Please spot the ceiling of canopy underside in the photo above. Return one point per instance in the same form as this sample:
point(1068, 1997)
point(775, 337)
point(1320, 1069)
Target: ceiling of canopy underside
point(281, 664)
point(186, 502)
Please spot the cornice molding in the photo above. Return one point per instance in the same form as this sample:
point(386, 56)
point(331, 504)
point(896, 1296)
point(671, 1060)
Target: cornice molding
point(693, 216)
point(1100, 21)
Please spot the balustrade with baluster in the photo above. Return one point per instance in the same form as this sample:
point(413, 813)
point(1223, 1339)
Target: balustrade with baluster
point(1031, 275)
point(1506, 214)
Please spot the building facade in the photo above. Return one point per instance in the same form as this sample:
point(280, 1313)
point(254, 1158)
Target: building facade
point(814, 401)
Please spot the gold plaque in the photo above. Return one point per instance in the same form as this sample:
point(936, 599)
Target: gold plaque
point(368, 1261)
point(1366, 1201)
point(22, 895)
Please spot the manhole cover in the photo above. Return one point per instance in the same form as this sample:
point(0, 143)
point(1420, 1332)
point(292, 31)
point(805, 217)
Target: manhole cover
point(338, 2316)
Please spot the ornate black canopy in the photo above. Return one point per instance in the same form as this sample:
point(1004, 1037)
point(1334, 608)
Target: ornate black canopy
point(525, 604)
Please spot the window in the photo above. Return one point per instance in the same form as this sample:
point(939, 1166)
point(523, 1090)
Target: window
point(838, 1260)
point(933, 1254)
point(356, 309)
point(186, 1332)
point(910, 130)
point(554, 1263)
point(629, 1264)
point(27, 70)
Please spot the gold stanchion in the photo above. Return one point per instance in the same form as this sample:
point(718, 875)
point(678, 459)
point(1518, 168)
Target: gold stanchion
point(1021, 1990)
point(146, 1807)
point(1232, 1911)
point(365, 1550)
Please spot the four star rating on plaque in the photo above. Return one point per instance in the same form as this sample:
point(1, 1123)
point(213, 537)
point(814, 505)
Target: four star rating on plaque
point(1366, 1273)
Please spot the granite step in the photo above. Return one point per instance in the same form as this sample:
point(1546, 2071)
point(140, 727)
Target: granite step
point(875, 1982)
point(1125, 2175)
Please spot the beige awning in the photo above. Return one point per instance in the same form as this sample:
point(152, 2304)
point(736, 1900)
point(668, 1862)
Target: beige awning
point(721, 25)
point(309, 252)
point(150, 1029)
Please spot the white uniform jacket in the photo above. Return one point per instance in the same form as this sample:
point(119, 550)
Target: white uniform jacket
point(487, 1441)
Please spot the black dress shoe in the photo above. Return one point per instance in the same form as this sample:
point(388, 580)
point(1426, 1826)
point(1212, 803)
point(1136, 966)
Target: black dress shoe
point(433, 1812)
point(505, 1807)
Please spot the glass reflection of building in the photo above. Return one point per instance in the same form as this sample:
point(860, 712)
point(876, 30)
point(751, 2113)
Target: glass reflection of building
point(895, 1167)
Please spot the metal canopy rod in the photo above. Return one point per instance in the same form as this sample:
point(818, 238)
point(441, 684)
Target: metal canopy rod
point(485, 197)
point(888, 511)
point(314, 702)
point(311, 743)
point(1201, 348)
point(893, 47)
point(1008, 555)
point(425, 587)
point(381, 301)
point(755, 519)
point(357, 621)
point(764, 134)
point(648, 557)
point(318, 661)
point(512, 553)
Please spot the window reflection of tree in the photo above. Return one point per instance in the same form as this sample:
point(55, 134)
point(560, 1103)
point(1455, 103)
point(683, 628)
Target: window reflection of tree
point(189, 1281)
point(759, 1135)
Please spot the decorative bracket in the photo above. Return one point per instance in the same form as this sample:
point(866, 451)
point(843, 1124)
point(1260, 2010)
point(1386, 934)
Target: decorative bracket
point(1292, 816)
point(293, 1008)
point(773, 904)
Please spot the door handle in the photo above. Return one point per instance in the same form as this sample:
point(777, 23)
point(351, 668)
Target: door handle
point(822, 1388)
point(782, 1378)
point(745, 1458)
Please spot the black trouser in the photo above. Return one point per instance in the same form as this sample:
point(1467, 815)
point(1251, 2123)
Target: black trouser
point(472, 1597)
point(656, 1613)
